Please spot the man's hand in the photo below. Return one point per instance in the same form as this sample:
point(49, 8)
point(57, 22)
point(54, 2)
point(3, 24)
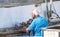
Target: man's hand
point(27, 30)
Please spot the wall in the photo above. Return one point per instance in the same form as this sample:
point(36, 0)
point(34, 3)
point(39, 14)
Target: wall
point(10, 16)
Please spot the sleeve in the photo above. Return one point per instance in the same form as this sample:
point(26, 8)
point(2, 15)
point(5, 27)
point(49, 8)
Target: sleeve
point(44, 23)
point(31, 26)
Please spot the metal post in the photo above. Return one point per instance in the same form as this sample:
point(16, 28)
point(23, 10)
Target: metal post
point(47, 10)
point(51, 6)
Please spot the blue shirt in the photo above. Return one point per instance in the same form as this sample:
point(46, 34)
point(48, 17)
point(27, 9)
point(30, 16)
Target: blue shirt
point(36, 25)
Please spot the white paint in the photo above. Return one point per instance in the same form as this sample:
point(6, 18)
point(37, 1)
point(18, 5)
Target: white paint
point(10, 16)
point(51, 33)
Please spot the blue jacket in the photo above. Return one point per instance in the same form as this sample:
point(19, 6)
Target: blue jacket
point(36, 25)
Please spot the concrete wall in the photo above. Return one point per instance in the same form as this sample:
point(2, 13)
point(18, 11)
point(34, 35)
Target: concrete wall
point(10, 16)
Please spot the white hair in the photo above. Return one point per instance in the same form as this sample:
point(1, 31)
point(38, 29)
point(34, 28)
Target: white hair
point(35, 12)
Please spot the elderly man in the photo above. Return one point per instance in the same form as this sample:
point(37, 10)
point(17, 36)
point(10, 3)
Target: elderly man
point(37, 24)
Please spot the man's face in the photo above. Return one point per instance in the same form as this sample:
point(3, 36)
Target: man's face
point(32, 15)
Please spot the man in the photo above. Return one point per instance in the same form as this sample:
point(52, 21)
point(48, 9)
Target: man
point(37, 24)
